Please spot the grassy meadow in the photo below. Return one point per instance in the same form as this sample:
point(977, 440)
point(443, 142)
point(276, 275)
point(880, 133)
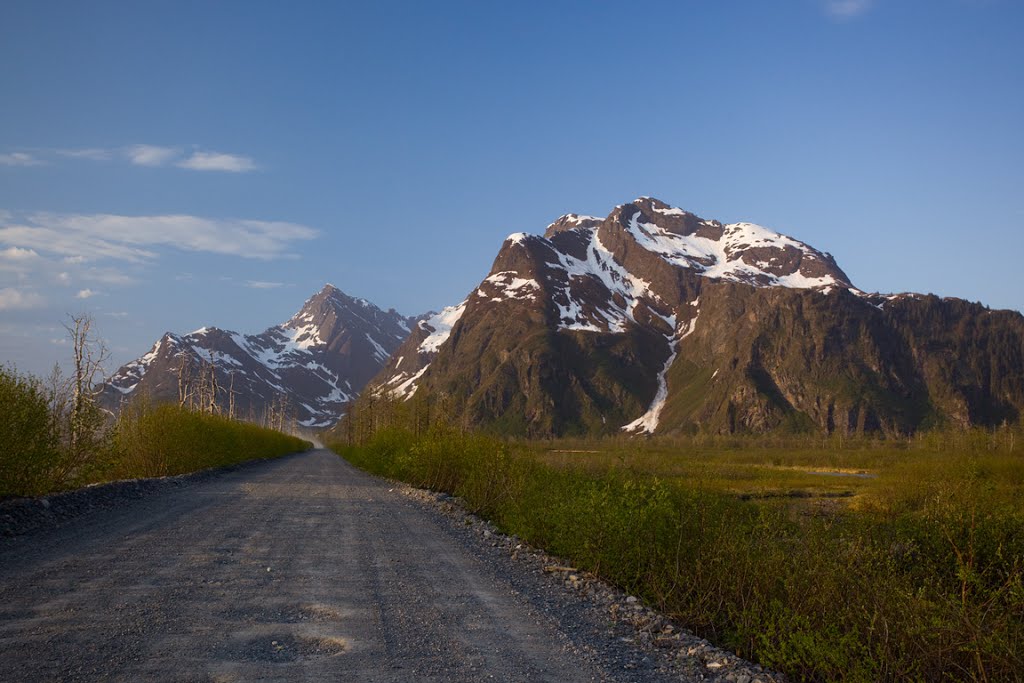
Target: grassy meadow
point(829, 559)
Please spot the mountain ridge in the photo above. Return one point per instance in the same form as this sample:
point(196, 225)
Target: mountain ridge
point(310, 365)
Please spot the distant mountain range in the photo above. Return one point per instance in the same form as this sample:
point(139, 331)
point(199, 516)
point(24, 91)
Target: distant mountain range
point(654, 320)
point(308, 367)
point(650, 320)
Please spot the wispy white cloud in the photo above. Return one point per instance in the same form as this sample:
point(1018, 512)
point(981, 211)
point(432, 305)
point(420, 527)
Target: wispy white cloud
point(107, 276)
point(134, 238)
point(12, 299)
point(85, 294)
point(151, 155)
point(20, 159)
point(847, 9)
point(218, 161)
point(260, 284)
point(27, 266)
point(57, 237)
point(197, 160)
point(90, 153)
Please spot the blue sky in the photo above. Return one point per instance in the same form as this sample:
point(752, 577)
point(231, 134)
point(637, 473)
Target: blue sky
point(168, 165)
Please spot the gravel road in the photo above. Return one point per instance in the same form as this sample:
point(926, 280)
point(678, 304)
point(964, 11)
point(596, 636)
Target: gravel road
point(298, 569)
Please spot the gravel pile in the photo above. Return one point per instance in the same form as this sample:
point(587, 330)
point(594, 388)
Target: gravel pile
point(600, 618)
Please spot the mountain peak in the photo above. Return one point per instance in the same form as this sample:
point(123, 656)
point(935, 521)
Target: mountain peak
point(317, 361)
point(329, 299)
point(571, 221)
point(655, 319)
point(741, 252)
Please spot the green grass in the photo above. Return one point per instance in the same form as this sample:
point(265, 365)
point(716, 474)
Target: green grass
point(915, 572)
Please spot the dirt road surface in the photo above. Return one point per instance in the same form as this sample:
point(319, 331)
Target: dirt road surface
point(299, 569)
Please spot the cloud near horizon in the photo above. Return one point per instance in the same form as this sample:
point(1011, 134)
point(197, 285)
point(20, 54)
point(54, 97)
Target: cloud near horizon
point(218, 161)
point(151, 156)
point(12, 299)
point(135, 238)
point(847, 9)
point(20, 159)
point(90, 153)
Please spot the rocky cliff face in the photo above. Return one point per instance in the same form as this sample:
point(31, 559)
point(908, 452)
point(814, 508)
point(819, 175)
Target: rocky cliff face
point(655, 320)
point(311, 365)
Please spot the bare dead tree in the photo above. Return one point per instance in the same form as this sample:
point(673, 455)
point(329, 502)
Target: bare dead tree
point(84, 419)
point(276, 414)
point(59, 394)
point(201, 389)
point(231, 397)
point(211, 399)
point(185, 386)
point(89, 354)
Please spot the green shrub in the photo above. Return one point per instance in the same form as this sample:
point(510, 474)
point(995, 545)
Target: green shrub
point(168, 440)
point(29, 453)
point(143, 442)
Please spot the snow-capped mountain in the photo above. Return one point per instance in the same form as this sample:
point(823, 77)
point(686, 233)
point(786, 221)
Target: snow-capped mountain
point(654, 319)
point(314, 363)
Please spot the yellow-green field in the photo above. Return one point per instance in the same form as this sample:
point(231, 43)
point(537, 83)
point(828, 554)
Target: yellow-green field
point(851, 475)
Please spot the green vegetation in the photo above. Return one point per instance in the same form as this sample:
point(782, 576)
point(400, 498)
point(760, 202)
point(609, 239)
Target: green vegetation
point(54, 437)
point(37, 456)
point(169, 440)
point(27, 432)
point(826, 558)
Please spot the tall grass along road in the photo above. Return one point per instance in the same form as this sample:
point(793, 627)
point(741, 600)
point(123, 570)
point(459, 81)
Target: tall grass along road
point(301, 568)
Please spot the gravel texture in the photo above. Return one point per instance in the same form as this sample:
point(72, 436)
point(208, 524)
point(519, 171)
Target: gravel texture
point(20, 516)
point(305, 568)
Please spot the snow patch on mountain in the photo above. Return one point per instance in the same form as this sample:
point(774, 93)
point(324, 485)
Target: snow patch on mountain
point(648, 422)
point(601, 265)
point(723, 258)
point(403, 386)
point(573, 220)
point(440, 327)
point(508, 285)
point(131, 374)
